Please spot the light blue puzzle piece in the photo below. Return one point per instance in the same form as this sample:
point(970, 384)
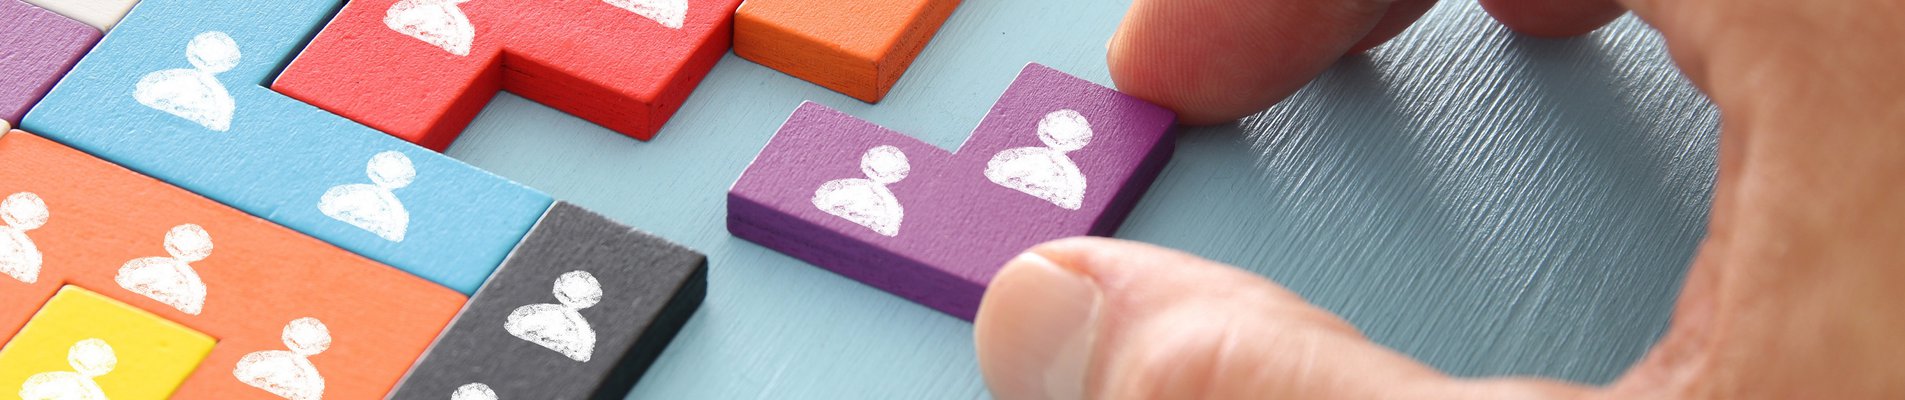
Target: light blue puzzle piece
point(270, 155)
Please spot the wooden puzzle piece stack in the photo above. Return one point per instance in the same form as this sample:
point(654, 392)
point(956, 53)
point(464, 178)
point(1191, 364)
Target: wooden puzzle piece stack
point(240, 198)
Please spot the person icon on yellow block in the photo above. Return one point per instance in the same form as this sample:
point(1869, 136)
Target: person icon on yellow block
point(90, 358)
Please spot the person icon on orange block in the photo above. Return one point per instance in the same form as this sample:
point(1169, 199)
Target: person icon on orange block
point(89, 358)
point(1047, 172)
point(171, 280)
point(374, 207)
point(195, 93)
point(19, 257)
point(289, 374)
point(867, 201)
point(561, 327)
point(437, 22)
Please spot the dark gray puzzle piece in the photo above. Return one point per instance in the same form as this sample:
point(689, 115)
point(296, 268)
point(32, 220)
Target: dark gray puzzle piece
point(649, 288)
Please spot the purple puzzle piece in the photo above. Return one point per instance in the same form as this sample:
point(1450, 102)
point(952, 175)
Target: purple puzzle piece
point(1057, 156)
point(37, 47)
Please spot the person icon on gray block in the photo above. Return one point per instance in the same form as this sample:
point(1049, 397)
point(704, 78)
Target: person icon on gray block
point(561, 327)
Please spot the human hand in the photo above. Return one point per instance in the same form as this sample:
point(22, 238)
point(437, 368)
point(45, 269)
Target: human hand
point(1797, 292)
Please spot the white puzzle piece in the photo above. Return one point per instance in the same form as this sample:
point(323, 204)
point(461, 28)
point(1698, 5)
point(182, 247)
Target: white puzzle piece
point(90, 359)
point(669, 13)
point(1047, 172)
point(195, 94)
point(289, 374)
point(374, 207)
point(19, 257)
point(437, 22)
point(171, 280)
point(867, 201)
point(561, 327)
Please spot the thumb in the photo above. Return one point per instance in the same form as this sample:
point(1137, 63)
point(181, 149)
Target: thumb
point(1103, 318)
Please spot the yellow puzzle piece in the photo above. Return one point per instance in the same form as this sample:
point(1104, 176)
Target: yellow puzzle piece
point(82, 345)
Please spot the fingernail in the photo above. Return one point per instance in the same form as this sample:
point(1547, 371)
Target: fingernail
point(1036, 328)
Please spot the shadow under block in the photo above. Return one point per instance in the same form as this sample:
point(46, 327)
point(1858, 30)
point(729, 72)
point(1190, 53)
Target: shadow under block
point(1057, 156)
point(143, 356)
point(576, 269)
point(36, 48)
point(856, 47)
point(119, 233)
point(624, 64)
point(276, 157)
point(101, 14)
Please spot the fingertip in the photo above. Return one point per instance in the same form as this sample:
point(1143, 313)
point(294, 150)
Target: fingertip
point(1214, 61)
point(1554, 18)
point(1401, 15)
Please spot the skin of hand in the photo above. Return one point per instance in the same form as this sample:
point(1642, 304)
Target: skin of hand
point(1798, 290)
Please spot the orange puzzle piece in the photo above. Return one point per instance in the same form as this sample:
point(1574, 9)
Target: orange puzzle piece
point(855, 47)
point(269, 294)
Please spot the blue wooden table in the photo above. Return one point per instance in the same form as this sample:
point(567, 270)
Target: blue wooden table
point(1488, 202)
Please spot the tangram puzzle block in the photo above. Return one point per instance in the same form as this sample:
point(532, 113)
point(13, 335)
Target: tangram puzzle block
point(83, 344)
point(36, 48)
point(269, 294)
point(855, 47)
point(578, 311)
point(1056, 157)
point(422, 69)
point(101, 14)
point(175, 93)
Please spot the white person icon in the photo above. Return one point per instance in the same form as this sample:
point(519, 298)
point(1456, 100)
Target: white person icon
point(867, 201)
point(437, 22)
point(289, 374)
point(90, 358)
point(1047, 172)
point(171, 280)
point(668, 13)
point(195, 93)
point(19, 257)
point(374, 207)
point(473, 391)
point(561, 327)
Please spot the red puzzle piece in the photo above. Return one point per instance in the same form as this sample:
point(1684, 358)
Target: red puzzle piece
point(421, 69)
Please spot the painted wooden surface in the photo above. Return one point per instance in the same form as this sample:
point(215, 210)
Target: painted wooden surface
point(1489, 202)
point(272, 156)
point(127, 353)
point(624, 64)
point(37, 46)
point(140, 241)
point(860, 56)
point(1056, 157)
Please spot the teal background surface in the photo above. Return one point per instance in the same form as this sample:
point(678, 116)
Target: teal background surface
point(1488, 202)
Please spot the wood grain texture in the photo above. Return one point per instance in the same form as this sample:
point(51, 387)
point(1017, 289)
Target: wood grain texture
point(1490, 203)
point(37, 47)
point(648, 288)
point(101, 14)
point(590, 58)
point(280, 158)
point(949, 220)
point(257, 277)
point(855, 47)
point(153, 355)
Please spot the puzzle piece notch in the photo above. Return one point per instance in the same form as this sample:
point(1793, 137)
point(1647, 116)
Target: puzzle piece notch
point(862, 56)
point(421, 69)
point(1057, 156)
point(38, 47)
point(218, 271)
point(136, 103)
point(82, 344)
point(580, 310)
